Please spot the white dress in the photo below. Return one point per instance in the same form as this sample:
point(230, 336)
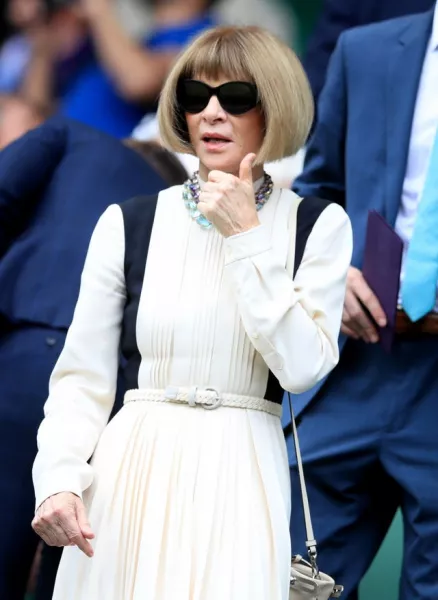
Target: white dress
point(188, 503)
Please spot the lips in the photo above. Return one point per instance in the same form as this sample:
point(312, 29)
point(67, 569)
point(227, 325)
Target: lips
point(215, 138)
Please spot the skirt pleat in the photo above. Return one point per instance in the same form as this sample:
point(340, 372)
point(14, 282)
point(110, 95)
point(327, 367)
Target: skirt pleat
point(186, 504)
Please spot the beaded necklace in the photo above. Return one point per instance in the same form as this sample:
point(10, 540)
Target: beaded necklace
point(192, 190)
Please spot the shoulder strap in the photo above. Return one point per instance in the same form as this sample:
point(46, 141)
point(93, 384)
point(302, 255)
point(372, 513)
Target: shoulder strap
point(303, 217)
point(138, 217)
point(309, 211)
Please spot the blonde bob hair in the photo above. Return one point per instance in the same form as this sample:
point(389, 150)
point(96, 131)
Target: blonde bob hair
point(244, 54)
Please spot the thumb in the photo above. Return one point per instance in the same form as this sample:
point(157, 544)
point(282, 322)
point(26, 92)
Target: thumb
point(245, 171)
point(83, 522)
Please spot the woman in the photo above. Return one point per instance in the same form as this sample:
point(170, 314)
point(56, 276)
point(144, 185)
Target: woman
point(188, 491)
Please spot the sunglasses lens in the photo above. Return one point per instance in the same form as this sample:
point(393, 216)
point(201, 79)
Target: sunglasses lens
point(193, 96)
point(238, 97)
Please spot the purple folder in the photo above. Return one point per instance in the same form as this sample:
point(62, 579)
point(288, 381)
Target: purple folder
point(381, 269)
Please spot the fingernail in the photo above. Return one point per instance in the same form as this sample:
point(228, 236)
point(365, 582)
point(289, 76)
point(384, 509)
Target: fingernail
point(382, 322)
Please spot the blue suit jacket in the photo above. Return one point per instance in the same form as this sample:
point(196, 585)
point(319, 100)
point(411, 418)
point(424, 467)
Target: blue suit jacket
point(338, 16)
point(55, 182)
point(358, 152)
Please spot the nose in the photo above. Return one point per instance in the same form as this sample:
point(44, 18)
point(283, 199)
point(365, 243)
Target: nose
point(214, 111)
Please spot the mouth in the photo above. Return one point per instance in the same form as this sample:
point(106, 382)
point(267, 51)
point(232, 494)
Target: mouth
point(215, 140)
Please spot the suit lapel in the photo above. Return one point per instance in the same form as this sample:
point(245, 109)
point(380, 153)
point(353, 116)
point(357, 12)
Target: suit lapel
point(404, 72)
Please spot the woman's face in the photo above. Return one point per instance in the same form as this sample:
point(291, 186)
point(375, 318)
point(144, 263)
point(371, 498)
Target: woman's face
point(221, 140)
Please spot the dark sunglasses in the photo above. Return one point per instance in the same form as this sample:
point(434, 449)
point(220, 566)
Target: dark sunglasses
point(235, 97)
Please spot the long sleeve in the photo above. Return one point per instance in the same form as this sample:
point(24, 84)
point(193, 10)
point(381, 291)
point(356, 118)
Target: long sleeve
point(324, 166)
point(293, 324)
point(83, 384)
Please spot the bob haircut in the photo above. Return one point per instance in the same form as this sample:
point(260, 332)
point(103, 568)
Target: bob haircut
point(244, 54)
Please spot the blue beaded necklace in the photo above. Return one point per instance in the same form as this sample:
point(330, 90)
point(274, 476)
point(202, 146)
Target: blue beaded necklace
point(192, 189)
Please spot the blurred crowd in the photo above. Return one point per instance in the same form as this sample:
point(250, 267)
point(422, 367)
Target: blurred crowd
point(87, 74)
point(104, 63)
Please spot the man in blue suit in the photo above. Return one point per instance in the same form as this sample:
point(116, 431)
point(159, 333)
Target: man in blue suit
point(369, 432)
point(338, 16)
point(54, 184)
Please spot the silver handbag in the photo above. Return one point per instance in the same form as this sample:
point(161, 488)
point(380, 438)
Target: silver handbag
point(306, 580)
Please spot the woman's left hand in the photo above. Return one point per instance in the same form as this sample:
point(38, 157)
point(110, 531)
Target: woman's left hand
point(228, 201)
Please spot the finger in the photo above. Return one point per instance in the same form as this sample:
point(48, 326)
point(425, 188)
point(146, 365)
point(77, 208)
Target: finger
point(210, 186)
point(204, 208)
point(369, 299)
point(346, 329)
point(77, 539)
point(50, 532)
point(349, 323)
point(358, 320)
point(218, 176)
point(83, 522)
point(349, 332)
point(245, 170)
point(207, 197)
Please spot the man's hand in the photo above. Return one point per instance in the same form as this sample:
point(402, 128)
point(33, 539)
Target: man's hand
point(355, 321)
point(62, 521)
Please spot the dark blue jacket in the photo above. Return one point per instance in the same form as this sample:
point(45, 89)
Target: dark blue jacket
point(339, 15)
point(55, 182)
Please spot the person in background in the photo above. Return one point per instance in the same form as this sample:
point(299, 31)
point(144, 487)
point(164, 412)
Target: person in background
point(21, 16)
point(368, 433)
point(338, 16)
point(54, 184)
point(84, 62)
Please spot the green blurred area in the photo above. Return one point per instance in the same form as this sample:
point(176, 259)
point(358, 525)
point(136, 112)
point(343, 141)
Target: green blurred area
point(306, 13)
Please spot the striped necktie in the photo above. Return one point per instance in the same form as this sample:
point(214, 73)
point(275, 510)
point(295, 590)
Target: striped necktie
point(419, 287)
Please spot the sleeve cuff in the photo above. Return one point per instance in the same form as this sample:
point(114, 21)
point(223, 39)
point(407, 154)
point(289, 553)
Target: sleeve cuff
point(55, 485)
point(247, 244)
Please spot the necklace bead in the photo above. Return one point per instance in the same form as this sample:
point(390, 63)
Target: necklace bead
point(192, 190)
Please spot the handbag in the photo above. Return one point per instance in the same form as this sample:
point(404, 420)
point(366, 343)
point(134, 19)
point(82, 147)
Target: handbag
point(307, 582)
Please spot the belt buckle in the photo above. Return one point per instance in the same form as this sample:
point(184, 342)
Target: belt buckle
point(217, 402)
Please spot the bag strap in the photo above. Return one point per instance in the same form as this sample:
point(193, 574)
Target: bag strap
point(311, 543)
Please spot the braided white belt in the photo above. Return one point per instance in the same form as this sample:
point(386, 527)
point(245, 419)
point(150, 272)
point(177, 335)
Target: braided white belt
point(208, 398)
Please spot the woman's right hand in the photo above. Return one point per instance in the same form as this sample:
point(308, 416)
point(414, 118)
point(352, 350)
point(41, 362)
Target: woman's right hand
point(61, 520)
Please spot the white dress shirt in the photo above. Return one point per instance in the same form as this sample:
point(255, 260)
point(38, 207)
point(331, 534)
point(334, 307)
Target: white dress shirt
point(424, 129)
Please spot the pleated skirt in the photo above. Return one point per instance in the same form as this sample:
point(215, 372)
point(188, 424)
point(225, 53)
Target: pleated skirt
point(186, 504)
